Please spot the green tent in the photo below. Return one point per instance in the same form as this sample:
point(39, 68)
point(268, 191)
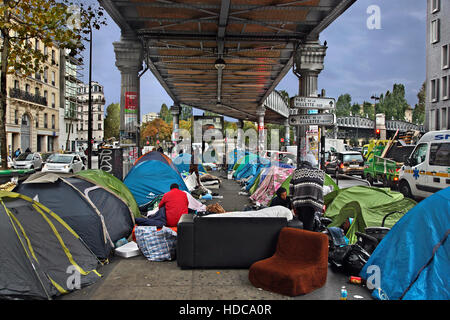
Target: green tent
point(112, 184)
point(40, 252)
point(367, 206)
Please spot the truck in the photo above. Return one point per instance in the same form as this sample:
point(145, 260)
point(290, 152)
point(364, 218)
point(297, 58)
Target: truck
point(384, 160)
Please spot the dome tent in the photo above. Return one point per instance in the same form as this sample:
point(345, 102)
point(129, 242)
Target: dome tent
point(113, 184)
point(96, 214)
point(183, 162)
point(151, 176)
point(38, 249)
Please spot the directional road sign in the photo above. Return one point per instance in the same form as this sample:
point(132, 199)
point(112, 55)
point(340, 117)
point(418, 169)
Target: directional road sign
point(324, 119)
point(313, 103)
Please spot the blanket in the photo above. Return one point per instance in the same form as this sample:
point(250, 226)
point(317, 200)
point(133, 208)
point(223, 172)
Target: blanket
point(274, 212)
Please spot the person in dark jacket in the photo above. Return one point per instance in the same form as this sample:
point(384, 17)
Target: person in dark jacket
point(306, 190)
point(281, 199)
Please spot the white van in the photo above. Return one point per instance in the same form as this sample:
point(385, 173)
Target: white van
point(427, 170)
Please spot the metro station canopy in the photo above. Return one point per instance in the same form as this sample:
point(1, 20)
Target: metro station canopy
point(223, 56)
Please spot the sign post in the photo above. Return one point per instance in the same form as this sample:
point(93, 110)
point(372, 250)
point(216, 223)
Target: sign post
point(311, 111)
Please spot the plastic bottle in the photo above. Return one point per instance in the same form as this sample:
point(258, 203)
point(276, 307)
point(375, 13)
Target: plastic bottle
point(343, 293)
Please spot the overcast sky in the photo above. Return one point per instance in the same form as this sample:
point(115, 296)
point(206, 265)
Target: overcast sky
point(359, 61)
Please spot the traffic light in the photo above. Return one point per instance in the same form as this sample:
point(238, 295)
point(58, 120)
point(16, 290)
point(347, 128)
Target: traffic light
point(377, 133)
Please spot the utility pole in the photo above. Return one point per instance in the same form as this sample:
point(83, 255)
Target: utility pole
point(90, 142)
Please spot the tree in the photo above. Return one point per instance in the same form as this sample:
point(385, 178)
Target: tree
point(369, 110)
point(165, 114)
point(186, 113)
point(112, 121)
point(50, 22)
point(343, 105)
point(155, 130)
point(355, 109)
point(394, 103)
point(419, 110)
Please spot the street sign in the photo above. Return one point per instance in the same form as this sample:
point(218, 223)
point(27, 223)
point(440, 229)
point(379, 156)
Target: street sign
point(324, 119)
point(313, 103)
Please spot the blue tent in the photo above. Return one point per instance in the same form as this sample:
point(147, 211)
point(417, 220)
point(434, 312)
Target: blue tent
point(252, 168)
point(234, 156)
point(151, 177)
point(183, 161)
point(414, 257)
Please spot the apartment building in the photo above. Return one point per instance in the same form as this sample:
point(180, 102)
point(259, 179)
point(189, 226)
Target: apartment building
point(98, 111)
point(437, 109)
point(32, 113)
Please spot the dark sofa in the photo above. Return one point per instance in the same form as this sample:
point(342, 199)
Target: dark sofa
point(227, 242)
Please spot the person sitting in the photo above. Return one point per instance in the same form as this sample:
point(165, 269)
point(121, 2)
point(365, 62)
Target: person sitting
point(281, 199)
point(176, 203)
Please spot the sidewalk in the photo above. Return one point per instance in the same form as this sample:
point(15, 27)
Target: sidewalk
point(139, 279)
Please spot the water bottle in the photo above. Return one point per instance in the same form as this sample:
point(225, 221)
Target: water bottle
point(343, 293)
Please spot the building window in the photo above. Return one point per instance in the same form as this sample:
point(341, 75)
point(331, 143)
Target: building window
point(53, 57)
point(16, 84)
point(435, 5)
point(435, 26)
point(99, 126)
point(53, 100)
point(444, 118)
point(53, 78)
point(16, 117)
point(434, 90)
point(36, 44)
point(99, 117)
point(45, 121)
point(45, 50)
point(36, 91)
point(445, 87)
point(437, 120)
point(27, 88)
point(445, 57)
point(37, 120)
point(46, 75)
point(53, 121)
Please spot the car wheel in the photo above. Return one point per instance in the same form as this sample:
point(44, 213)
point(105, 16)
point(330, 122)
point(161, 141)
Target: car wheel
point(405, 189)
point(370, 179)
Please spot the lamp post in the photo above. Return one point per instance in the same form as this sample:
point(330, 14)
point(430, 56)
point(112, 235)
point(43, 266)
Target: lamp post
point(374, 97)
point(90, 101)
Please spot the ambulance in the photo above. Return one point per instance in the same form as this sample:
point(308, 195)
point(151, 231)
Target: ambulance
point(427, 170)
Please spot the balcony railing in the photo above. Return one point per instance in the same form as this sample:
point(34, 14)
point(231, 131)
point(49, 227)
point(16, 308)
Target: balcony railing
point(23, 95)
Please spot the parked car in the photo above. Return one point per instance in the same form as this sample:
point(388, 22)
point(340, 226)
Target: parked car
point(28, 160)
point(45, 156)
point(63, 163)
point(82, 156)
point(348, 162)
point(10, 162)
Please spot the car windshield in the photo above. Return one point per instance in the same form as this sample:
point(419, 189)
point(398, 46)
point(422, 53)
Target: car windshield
point(353, 157)
point(25, 157)
point(60, 158)
point(45, 156)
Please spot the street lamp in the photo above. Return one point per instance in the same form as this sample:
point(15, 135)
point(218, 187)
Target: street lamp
point(374, 97)
point(90, 142)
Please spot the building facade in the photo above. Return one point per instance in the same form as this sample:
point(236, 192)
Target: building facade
point(70, 105)
point(98, 109)
point(149, 117)
point(32, 113)
point(437, 110)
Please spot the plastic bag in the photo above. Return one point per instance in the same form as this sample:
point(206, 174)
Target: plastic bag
point(156, 245)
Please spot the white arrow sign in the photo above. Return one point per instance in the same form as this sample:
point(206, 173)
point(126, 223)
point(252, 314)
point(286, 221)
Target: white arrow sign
point(324, 119)
point(313, 103)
